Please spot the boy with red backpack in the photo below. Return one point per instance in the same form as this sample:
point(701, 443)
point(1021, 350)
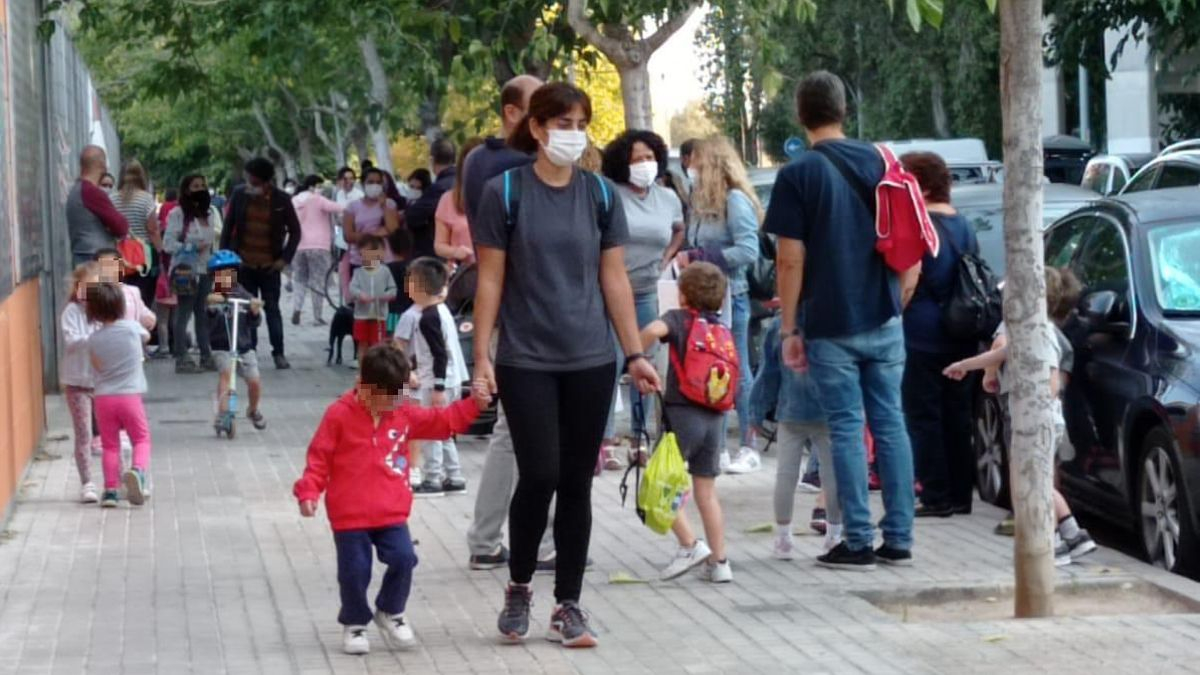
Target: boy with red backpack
point(702, 383)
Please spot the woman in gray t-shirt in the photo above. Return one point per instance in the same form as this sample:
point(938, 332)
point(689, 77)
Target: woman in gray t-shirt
point(550, 243)
point(635, 161)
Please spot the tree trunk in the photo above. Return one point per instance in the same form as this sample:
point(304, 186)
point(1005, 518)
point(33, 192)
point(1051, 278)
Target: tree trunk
point(381, 131)
point(937, 95)
point(281, 155)
point(1031, 457)
point(361, 145)
point(431, 120)
point(635, 94)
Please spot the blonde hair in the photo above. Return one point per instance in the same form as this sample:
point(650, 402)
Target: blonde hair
point(719, 169)
point(79, 275)
point(127, 188)
point(592, 159)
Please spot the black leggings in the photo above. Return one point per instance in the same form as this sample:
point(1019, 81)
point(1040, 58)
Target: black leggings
point(557, 423)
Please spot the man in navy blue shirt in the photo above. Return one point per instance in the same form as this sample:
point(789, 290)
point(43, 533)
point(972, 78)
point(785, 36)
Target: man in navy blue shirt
point(851, 339)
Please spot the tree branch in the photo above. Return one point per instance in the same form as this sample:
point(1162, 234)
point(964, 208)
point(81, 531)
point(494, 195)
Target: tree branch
point(669, 28)
point(266, 128)
point(581, 24)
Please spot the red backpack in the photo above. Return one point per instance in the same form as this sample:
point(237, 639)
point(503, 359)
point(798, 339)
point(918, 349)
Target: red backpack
point(904, 231)
point(708, 370)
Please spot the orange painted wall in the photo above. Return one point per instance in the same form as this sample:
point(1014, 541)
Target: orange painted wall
point(22, 392)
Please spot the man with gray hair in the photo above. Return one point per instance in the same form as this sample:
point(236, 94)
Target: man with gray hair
point(93, 223)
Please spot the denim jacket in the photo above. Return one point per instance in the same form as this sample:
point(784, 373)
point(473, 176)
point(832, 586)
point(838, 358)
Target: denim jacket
point(793, 396)
point(731, 245)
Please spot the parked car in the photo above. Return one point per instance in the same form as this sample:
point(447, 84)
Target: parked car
point(966, 158)
point(1109, 174)
point(1176, 168)
point(1065, 158)
point(983, 207)
point(1132, 404)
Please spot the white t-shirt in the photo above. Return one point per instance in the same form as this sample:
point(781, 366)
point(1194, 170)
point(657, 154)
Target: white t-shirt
point(76, 370)
point(117, 347)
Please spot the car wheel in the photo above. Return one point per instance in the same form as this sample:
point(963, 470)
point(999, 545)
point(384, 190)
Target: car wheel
point(991, 457)
point(1163, 514)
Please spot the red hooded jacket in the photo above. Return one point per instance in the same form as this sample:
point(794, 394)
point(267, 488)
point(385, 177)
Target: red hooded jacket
point(364, 465)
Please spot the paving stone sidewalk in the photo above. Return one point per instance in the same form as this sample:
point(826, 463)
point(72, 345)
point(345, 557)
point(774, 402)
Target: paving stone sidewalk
point(219, 574)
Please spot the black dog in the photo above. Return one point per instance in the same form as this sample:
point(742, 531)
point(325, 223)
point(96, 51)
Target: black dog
point(341, 327)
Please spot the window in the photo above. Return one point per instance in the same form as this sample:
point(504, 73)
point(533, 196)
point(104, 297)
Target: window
point(1144, 180)
point(1102, 266)
point(1063, 240)
point(1119, 180)
point(1175, 257)
point(1178, 175)
point(1096, 177)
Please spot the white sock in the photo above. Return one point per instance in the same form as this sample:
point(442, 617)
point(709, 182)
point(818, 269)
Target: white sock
point(783, 530)
point(1068, 528)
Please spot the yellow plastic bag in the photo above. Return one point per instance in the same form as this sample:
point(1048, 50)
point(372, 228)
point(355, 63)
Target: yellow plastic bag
point(664, 487)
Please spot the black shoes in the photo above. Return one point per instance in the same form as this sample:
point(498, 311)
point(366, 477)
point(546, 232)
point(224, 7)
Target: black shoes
point(933, 511)
point(894, 556)
point(842, 557)
point(490, 561)
point(281, 362)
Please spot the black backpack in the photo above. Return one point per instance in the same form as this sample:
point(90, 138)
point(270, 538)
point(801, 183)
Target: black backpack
point(761, 274)
point(974, 308)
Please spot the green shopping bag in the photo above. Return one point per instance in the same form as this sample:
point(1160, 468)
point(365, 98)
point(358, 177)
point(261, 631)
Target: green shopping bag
point(664, 487)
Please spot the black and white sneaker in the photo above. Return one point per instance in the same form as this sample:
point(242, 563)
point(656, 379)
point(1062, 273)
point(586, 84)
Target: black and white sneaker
point(454, 487)
point(842, 557)
point(490, 561)
point(429, 488)
point(894, 556)
point(1081, 544)
point(514, 618)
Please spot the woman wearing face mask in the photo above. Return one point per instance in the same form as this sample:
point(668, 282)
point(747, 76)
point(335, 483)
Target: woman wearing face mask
point(559, 262)
point(634, 161)
point(374, 214)
point(191, 231)
point(726, 215)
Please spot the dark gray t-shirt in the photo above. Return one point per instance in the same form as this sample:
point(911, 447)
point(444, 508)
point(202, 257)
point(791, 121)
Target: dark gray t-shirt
point(552, 308)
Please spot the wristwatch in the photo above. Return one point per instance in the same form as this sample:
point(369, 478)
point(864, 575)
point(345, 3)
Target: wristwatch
point(630, 358)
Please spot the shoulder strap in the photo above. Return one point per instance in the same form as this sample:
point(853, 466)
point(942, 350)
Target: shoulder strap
point(603, 197)
point(512, 198)
point(866, 195)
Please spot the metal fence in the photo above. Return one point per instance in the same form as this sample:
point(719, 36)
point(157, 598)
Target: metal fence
point(50, 111)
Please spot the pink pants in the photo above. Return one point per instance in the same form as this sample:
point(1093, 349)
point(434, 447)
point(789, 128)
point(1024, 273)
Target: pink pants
point(79, 402)
point(126, 413)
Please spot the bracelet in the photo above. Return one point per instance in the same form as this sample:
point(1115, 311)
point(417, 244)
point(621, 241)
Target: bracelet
point(631, 358)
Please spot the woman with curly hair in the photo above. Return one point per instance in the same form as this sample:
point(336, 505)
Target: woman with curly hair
point(724, 231)
point(635, 161)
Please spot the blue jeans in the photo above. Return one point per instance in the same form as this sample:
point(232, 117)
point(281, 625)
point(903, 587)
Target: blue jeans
point(856, 373)
point(395, 549)
point(741, 339)
point(646, 306)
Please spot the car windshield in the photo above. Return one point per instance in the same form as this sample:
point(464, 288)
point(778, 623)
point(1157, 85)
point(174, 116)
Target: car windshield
point(1175, 253)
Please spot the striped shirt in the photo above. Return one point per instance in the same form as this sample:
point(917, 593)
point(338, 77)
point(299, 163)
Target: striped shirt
point(137, 210)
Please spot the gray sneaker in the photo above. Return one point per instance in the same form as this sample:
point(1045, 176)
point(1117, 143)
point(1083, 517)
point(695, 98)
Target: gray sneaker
point(514, 618)
point(569, 627)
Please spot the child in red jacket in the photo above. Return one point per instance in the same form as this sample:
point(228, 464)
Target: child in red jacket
point(360, 457)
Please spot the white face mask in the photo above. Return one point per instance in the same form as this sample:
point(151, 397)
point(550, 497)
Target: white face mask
point(642, 174)
point(565, 146)
point(373, 190)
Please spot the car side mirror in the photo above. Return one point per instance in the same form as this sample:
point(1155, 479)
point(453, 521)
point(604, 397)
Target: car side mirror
point(1097, 311)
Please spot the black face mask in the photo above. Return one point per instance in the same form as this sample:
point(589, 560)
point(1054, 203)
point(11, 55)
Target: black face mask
point(201, 201)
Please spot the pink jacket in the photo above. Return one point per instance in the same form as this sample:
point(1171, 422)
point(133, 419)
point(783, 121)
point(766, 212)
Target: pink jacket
point(313, 210)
